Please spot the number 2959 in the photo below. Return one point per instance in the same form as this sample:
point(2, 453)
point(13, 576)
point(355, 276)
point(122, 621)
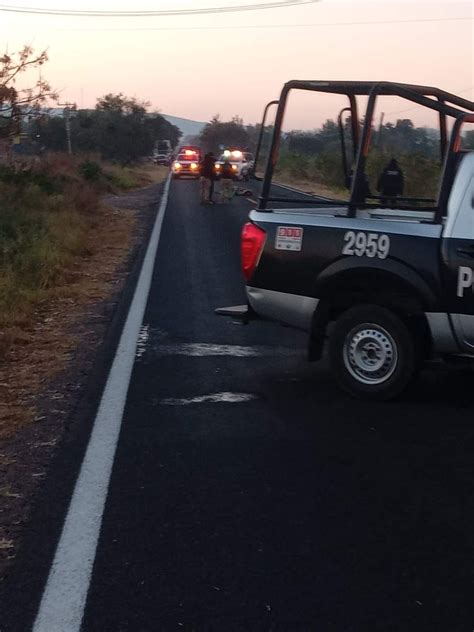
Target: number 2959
point(366, 244)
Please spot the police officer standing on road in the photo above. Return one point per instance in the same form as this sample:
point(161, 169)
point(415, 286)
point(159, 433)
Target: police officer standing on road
point(207, 178)
point(390, 183)
point(227, 181)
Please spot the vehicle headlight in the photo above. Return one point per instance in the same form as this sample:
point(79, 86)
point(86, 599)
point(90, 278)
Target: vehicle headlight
point(177, 165)
point(234, 167)
point(193, 166)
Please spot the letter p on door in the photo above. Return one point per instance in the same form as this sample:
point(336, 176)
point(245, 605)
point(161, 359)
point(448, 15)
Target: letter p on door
point(465, 279)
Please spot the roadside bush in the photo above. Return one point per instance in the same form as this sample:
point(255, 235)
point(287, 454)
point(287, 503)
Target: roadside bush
point(294, 165)
point(421, 172)
point(41, 235)
point(80, 198)
point(28, 176)
point(48, 213)
point(327, 169)
point(121, 177)
point(322, 171)
point(38, 242)
point(91, 171)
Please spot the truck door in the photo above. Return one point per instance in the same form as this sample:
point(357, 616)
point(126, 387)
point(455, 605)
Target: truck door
point(458, 255)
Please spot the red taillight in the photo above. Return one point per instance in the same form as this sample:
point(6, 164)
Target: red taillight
point(253, 240)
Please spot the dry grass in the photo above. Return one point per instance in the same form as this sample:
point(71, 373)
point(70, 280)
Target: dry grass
point(154, 173)
point(43, 344)
point(45, 234)
point(70, 262)
point(126, 178)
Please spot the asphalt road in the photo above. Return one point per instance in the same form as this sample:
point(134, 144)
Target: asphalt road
point(249, 493)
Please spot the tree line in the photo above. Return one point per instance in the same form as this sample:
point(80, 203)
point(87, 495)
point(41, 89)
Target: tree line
point(119, 128)
point(400, 137)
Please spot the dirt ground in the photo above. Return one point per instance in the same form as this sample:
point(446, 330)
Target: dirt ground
point(44, 375)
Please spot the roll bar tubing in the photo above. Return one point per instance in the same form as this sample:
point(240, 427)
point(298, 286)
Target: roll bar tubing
point(260, 136)
point(446, 104)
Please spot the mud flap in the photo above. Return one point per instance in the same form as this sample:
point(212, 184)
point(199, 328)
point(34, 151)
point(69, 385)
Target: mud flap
point(240, 312)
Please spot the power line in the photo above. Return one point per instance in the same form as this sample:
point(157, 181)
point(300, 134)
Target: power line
point(265, 26)
point(238, 8)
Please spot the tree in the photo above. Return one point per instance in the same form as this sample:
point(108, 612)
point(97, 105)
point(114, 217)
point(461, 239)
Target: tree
point(119, 128)
point(16, 104)
point(404, 137)
point(228, 134)
point(120, 104)
point(315, 141)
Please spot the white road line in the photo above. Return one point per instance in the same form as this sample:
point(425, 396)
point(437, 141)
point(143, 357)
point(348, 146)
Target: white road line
point(64, 597)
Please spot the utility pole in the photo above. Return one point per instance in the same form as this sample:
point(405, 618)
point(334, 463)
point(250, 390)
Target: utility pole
point(67, 119)
point(382, 114)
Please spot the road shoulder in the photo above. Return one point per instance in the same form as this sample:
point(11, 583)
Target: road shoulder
point(67, 356)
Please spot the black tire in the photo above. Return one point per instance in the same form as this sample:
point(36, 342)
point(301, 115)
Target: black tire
point(175, 176)
point(372, 353)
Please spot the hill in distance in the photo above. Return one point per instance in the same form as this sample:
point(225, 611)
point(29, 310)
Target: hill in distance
point(188, 127)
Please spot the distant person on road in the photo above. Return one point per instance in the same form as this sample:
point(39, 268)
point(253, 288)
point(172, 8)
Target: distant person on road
point(207, 178)
point(390, 183)
point(227, 181)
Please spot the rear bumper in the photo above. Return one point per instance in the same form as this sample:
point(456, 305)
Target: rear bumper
point(185, 172)
point(291, 309)
point(245, 313)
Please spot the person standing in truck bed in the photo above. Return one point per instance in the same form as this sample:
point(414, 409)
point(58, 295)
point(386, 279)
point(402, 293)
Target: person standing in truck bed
point(390, 183)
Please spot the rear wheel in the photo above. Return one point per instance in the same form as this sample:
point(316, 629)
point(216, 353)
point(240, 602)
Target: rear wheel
point(372, 352)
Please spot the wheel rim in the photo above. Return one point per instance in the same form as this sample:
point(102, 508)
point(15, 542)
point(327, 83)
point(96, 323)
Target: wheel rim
point(370, 354)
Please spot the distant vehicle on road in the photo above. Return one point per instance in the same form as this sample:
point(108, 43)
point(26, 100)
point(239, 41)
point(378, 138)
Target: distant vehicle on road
point(185, 164)
point(241, 161)
point(162, 153)
point(193, 152)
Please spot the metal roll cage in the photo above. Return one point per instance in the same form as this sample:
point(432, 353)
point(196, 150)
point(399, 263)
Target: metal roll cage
point(446, 104)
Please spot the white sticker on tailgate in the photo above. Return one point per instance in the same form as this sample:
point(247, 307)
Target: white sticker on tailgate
point(289, 238)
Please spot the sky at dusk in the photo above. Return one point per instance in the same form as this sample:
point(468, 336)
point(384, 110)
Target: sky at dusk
point(233, 63)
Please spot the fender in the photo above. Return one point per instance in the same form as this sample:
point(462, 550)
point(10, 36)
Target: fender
point(383, 273)
point(349, 271)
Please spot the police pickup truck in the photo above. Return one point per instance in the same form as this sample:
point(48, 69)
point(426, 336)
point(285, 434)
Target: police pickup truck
point(385, 285)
